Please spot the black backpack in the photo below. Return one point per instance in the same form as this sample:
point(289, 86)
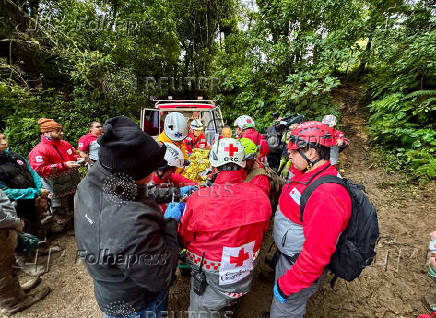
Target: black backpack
point(356, 244)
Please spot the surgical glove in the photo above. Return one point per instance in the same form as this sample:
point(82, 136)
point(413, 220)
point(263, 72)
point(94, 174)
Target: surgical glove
point(174, 210)
point(187, 190)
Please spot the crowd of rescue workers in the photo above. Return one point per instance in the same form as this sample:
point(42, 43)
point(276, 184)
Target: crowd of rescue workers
point(138, 218)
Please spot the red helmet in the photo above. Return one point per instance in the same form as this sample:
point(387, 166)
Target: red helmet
point(311, 133)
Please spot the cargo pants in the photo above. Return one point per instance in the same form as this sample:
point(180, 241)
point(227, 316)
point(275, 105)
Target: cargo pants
point(10, 290)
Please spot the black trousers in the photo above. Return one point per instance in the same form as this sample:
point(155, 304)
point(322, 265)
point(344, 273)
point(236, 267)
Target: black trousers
point(26, 210)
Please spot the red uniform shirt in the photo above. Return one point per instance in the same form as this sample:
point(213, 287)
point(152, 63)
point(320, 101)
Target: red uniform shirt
point(224, 217)
point(325, 217)
point(50, 156)
point(191, 142)
point(85, 140)
point(176, 179)
point(88, 143)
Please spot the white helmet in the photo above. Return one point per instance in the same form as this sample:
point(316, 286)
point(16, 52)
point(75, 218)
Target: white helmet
point(244, 122)
point(227, 150)
point(329, 120)
point(175, 126)
point(174, 156)
point(197, 124)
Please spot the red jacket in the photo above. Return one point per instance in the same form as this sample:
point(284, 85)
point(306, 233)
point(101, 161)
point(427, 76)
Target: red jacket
point(85, 140)
point(225, 216)
point(176, 179)
point(340, 135)
point(258, 139)
point(50, 156)
point(260, 181)
point(326, 215)
point(191, 142)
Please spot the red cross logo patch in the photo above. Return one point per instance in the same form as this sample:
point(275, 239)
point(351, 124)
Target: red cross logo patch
point(242, 257)
point(231, 149)
point(236, 263)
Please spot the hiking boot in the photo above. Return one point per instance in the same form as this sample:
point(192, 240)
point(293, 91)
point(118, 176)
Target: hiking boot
point(33, 269)
point(46, 219)
point(59, 223)
point(31, 284)
point(28, 301)
point(28, 266)
point(56, 228)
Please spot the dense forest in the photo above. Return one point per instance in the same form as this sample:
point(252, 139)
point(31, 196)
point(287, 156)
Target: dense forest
point(82, 60)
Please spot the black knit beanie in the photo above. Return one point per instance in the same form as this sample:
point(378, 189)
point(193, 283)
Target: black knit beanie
point(125, 148)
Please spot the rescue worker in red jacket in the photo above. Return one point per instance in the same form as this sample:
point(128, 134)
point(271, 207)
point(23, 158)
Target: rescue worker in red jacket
point(244, 128)
point(55, 161)
point(196, 138)
point(167, 174)
point(88, 145)
point(224, 222)
point(305, 248)
point(341, 141)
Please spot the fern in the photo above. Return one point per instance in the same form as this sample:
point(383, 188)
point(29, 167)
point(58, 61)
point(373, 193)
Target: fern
point(388, 104)
point(420, 93)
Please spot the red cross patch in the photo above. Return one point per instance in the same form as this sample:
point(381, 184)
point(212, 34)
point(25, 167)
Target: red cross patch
point(231, 149)
point(240, 259)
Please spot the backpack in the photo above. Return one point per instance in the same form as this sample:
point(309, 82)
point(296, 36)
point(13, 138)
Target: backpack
point(356, 244)
point(275, 181)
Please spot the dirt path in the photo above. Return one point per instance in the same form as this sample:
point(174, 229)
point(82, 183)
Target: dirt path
point(392, 287)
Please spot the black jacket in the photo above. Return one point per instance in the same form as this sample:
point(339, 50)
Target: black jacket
point(14, 171)
point(129, 249)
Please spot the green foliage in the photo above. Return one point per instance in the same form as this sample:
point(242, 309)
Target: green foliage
point(402, 89)
point(308, 91)
point(289, 58)
point(91, 60)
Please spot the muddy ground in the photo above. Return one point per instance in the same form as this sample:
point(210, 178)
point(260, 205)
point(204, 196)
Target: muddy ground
point(392, 287)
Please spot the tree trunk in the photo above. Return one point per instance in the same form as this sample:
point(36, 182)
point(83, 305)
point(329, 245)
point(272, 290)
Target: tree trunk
point(365, 58)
